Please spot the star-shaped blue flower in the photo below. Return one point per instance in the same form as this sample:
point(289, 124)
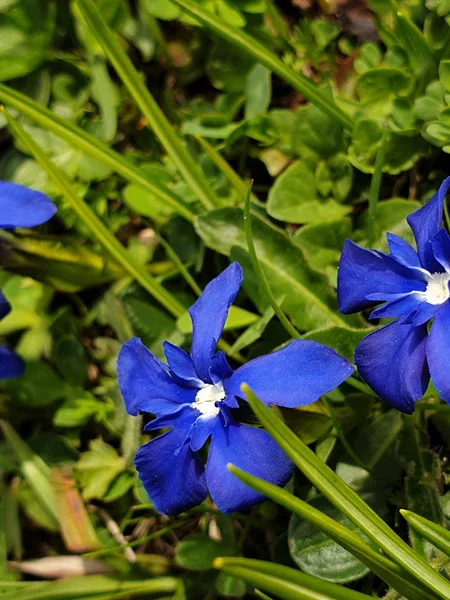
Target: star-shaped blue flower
point(195, 396)
point(19, 207)
point(397, 360)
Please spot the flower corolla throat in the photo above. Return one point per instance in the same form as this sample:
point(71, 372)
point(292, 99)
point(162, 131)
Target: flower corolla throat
point(207, 398)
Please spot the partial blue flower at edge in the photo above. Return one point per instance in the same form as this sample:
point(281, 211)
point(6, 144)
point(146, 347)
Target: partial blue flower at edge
point(194, 396)
point(397, 360)
point(19, 207)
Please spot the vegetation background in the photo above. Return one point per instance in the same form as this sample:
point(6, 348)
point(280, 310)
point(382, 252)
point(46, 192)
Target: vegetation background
point(144, 121)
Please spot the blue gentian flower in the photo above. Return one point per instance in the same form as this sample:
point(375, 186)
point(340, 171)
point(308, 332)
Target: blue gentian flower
point(397, 360)
point(19, 207)
point(195, 395)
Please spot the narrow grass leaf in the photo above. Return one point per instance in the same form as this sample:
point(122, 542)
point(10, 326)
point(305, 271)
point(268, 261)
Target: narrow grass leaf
point(250, 45)
point(347, 501)
point(98, 228)
point(35, 471)
point(284, 582)
point(260, 273)
point(390, 572)
point(437, 535)
point(84, 141)
point(374, 192)
point(135, 84)
point(78, 588)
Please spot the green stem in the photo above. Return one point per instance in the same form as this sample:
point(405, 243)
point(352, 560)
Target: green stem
point(179, 263)
point(227, 170)
point(135, 84)
point(98, 228)
point(261, 276)
point(374, 190)
point(84, 141)
point(254, 48)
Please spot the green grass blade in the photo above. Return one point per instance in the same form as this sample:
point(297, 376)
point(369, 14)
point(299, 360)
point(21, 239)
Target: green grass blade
point(285, 582)
point(35, 471)
point(253, 47)
point(226, 169)
point(347, 501)
point(374, 191)
point(261, 276)
point(86, 142)
point(78, 588)
point(135, 84)
point(382, 566)
point(435, 534)
point(98, 228)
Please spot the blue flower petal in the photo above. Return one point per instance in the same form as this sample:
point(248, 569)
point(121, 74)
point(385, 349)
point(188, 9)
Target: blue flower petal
point(172, 474)
point(181, 366)
point(201, 430)
point(183, 413)
point(424, 312)
point(398, 305)
point(441, 248)
point(220, 369)
point(425, 223)
point(364, 272)
point(438, 351)
point(5, 306)
point(11, 365)
point(402, 251)
point(23, 207)
point(250, 449)
point(145, 383)
point(392, 361)
point(209, 314)
point(295, 375)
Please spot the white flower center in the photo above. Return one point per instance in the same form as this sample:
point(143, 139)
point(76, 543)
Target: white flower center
point(206, 398)
point(437, 290)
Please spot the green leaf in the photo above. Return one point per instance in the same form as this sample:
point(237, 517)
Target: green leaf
point(71, 361)
point(258, 91)
point(91, 145)
point(26, 32)
point(253, 332)
point(257, 50)
point(285, 582)
point(422, 479)
point(391, 217)
point(161, 9)
point(40, 385)
point(79, 410)
point(343, 340)
point(98, 228)
point(294, 197)
point(141, 202)
point(183, 160)
point(422, 59)
point(98, 468)
point(308, 297)
point(317, 132)
point(198, 552)
point(237, 319)
point(378, 87)
point(95, 587)
point(322, 243)
point(35, 471)
point(347, 501)
point(444, 74)
point(435, 534)
point(319, 555)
